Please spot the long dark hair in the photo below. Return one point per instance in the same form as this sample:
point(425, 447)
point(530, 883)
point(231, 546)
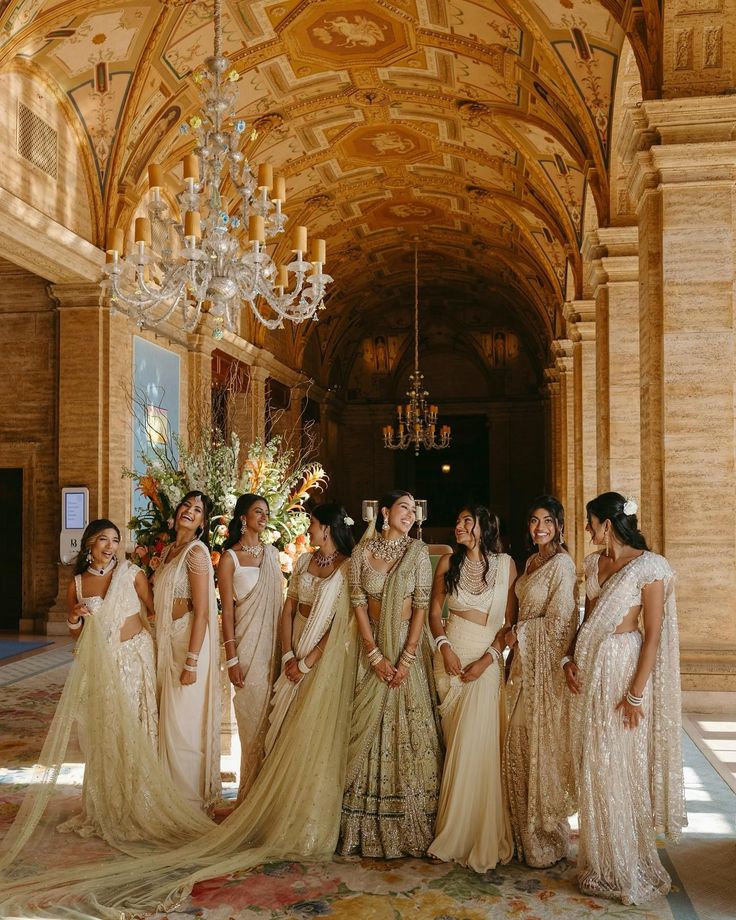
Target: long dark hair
point(388, 501)
point(490, 544)
point(554, 507)
point(235, 527)
point(332, 515)
point(609, 506)
point(90, 532)
point(203, 533)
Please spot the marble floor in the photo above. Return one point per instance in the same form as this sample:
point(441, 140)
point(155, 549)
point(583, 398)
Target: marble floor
point(702, 865)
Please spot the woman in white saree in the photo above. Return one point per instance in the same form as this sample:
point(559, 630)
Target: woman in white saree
point(188, 660)
point(251, 593)
point(477, 581)
point(626, 717)
point(293, 808)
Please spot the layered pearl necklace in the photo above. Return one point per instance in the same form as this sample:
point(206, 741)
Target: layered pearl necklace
point(323, 561)
point(471, 577)
point(96, 570)
point(388, 550)
point(254, 551)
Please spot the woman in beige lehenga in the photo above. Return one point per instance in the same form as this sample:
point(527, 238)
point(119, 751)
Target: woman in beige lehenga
point(477, 581)
point(626, 724)
point(536, 760)
point(395, 753)
point(188, 656)
point(251, 593)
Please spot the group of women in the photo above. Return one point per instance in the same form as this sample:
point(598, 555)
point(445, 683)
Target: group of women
point(388, 729)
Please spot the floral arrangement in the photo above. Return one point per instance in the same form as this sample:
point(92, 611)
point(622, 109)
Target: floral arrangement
point(212, 465)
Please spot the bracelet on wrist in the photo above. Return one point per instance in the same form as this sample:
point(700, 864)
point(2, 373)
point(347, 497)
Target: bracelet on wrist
point(193, 655)
point(77, 624)
point(406, 659)
point(287, 656)
point(303, 666)
point(190, 667)
point(231, 662)
point(566, 660)
point(375, 655)
point(494, 652)
point(634, 701)
point(228, 640)
point(442, 640)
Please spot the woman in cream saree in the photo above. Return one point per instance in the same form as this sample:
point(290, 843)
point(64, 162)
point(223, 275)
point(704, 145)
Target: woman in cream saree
point(626, 714)
point(293, 808)
point(536, 762)
point(251, 592)
point(395, 753)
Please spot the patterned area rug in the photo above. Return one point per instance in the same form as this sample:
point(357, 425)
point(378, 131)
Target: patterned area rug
point(343, 889)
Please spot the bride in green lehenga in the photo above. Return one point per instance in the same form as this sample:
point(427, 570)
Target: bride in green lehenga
point(395, 754)
point(293, 808)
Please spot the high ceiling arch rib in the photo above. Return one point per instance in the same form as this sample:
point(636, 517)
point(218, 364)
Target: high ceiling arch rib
point(473, 123)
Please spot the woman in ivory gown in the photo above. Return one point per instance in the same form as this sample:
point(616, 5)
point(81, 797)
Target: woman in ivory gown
point(626, 717)
point(188, 665)
point(395, 752)
point(536, 759)
point(251, 593)
point(477, 581)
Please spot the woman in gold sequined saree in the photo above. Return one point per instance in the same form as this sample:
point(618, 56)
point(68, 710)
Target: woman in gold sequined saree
point(394, 754)
point(626, 718)
point(536, 760)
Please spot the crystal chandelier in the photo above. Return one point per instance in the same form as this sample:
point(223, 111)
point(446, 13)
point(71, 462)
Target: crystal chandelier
point(416, 420)
point(198, 265)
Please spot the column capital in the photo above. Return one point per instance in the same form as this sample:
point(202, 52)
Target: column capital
point(258, 372)
point(83, 295)
point(580, 318)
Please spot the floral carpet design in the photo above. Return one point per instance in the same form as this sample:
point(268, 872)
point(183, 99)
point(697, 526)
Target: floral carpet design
point(343, 889)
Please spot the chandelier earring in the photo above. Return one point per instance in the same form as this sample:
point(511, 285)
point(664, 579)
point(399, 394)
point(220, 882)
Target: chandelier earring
point(608, 543)
point(384, 527)
point(88, 557)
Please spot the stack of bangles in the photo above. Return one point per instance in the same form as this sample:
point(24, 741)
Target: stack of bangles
point(301, 662)
point(407, 659)
point(231, 662)
point(442, 640)
point(195, 658)
point(374, 656)
point(492, 650)
point(634, 701)
point(77, 625)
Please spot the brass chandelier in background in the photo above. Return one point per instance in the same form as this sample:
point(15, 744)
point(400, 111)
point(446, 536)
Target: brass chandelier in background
point(417, 420)
point(197, 265)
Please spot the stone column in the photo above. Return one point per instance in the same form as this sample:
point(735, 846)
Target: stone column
point(684, 186)
point(616, 293)
point(82, 410)
point(249, 415)
point(567, 495)
point(554, 431)
point(199, 384)
point(580, 316)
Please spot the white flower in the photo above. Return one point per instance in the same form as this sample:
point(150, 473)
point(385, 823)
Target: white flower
point(630, 506)
point(230, 501)
point(348, 521)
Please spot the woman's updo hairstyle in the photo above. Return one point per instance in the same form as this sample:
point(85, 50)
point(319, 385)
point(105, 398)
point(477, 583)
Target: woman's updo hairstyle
point(609, 506)
point(88, 538)
point(554, 507)
point(242, 507)
point(490, 544)
point(332, 515)
point(203, 532)
point(388, 501)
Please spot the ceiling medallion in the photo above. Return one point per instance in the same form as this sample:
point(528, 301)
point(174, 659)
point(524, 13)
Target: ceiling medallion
point(418, 419)
point(197, 265)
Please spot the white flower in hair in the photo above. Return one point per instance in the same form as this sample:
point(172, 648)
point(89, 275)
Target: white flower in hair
point(348, 520)
point(630, 506)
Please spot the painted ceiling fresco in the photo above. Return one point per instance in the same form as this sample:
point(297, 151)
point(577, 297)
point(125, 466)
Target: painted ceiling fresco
point(471, 124)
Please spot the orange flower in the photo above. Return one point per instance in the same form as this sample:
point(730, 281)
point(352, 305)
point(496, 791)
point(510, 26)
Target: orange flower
point(215, 557)
point(302, 538)
point(148, 487)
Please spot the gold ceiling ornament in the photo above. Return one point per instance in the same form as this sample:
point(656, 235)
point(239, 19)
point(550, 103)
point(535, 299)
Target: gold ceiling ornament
point(417, 420)
point(197, 265)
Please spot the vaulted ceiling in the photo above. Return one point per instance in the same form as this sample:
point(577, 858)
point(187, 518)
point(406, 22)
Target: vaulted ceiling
point(474, 125)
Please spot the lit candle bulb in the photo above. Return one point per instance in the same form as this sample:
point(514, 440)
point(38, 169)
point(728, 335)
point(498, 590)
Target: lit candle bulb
point(319, 251)
point(116, 241)
point(399, 410)
point(265, 176)
point(191, 167)
point(282, 277)
point(299, 240)
point(192, 225)
point(155, 176)
point(256, 230)
point(279, 189)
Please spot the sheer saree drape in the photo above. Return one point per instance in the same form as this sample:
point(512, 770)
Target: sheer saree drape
point(640, 791)
point(292, 811)
point(256, 638)
point(536, 763)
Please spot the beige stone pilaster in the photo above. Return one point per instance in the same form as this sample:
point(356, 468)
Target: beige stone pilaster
point(199, 382)
point(564, 362)
point(554, 431)
point(249, 413)
point(580, 317)
point(615, 284)
point(684, 186)
point(82, 410)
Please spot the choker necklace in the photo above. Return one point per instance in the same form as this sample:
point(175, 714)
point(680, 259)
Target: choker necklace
point(388, 550)
point(95, 570)
point(322, 560)
point(471, 575)
point(254, 551)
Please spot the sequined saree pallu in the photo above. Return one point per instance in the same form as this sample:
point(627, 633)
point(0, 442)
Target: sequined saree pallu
point(629, 781)
point(395, 754)
point(536, 763)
